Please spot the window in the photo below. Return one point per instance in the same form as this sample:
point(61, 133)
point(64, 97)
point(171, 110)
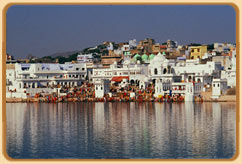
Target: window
point(155, 71)
point(47, 77)
point(96, 88)
point(77, 69)
point(218, 85)
point(101, 88)
point(83, 69)
point(213, 85)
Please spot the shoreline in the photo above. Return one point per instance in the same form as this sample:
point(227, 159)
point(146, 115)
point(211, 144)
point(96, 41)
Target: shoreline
point(227, 98)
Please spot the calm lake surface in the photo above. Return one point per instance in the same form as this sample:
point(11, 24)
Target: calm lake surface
point(121, 130)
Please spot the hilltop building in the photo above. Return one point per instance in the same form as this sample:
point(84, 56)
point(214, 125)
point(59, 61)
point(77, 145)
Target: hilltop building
point(197, 52)
point(146, 45)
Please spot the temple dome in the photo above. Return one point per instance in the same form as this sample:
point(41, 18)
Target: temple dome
point(144, 57)
point(136, 56)
point(151, 56)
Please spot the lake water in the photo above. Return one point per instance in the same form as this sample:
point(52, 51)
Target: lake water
point(121, 130)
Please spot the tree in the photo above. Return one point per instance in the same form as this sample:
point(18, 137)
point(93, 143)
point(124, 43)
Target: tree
point(73, 57)
point(61, 59)
point(47, 57)
point(195, 44)
point(210, 47)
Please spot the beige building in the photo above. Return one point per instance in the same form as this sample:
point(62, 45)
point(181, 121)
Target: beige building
point(107, 60)
point(156, 48)
point(146, 45)
point(198, 51)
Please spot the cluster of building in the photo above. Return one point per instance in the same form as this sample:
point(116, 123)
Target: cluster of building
point(168, 68)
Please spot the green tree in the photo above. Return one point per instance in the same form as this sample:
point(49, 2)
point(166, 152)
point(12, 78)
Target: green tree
point(210, 47)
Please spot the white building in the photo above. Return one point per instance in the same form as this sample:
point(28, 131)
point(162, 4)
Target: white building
point(132, 43)
point(220, 47)
point(188, 90)
point(134, 72)
point(85, 58)
point(102, 87)
point(161, 88)
point(230, 72)
point(162, 69)
point(33, 78)
point(144, 83)
point(219, 87)
point(192, 70)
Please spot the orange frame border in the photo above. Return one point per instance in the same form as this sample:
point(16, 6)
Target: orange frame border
point(4, 12)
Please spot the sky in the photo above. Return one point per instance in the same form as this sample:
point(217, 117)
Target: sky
point(45, 30)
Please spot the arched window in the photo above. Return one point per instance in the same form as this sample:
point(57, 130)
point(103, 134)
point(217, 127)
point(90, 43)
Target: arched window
point(132, 82)
point(155, 71)
point(164, 71)
point(153, 81)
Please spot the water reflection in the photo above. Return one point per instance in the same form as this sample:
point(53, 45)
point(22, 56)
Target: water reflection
point(121, 130)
